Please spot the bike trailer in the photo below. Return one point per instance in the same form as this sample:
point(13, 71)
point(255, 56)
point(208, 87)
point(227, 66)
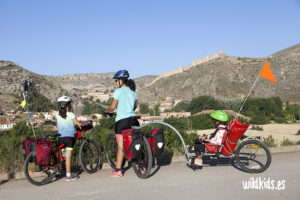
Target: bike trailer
point(237, 130)
point(157, 141)
point(132, 140)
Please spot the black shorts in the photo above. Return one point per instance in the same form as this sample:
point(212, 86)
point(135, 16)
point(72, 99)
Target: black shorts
point(126, 123)
point(68, 141)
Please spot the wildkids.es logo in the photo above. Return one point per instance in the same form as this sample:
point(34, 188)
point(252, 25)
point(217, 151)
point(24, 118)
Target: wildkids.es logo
point(259, 183)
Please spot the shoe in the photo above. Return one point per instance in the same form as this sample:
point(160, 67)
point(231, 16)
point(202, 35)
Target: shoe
point(116, 173)
point(71, 178)
point(198, 162)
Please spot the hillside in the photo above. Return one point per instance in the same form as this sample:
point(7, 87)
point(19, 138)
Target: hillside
point(231, 77)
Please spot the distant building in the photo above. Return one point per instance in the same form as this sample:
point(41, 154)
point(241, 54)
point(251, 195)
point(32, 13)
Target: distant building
point(146, 119)
point(7, 125)
point(175, 114)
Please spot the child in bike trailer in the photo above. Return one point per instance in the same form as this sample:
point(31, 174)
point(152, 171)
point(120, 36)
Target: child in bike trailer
point(125, 100)
point(65, 126)
point(220, 119)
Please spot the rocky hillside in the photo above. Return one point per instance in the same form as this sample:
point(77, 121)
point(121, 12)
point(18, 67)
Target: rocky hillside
point(12, 78)
point(232, 77)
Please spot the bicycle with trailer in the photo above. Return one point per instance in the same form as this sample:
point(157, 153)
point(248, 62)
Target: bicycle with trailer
point(45, 156)
point(250, 154)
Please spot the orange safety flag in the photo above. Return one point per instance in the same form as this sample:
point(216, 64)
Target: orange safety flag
point(266, 73)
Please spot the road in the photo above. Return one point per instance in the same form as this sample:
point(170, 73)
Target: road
point(175, 181)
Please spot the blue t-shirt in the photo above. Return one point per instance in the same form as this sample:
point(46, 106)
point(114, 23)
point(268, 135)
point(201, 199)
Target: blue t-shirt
point(65, 127)
point(126, 100)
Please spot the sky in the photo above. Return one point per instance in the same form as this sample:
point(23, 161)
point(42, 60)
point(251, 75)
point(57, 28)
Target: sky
point(146, 37)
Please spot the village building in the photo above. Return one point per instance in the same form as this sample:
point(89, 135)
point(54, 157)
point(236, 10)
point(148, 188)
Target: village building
point(7, 125)
point(175, 114)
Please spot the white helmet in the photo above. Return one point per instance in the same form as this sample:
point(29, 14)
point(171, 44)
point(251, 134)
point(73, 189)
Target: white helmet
point(63, 101)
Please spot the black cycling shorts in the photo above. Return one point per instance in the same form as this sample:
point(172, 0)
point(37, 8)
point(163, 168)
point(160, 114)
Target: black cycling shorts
point(68, 141)
point(124, 124)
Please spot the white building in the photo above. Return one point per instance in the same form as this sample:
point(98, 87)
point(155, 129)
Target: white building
point(175, 114)
point(6, 125)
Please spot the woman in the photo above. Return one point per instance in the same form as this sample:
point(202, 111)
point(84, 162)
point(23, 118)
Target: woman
point(125, 100)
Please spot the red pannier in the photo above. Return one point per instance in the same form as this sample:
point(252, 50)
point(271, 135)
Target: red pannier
point(157, 141)
point(213, 148)
point(29, 145)
point(43, 152)
point(132, 143)
point(236, 131)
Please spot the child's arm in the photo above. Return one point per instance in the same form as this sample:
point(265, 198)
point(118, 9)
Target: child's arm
point(78, 123)
point(112, 106)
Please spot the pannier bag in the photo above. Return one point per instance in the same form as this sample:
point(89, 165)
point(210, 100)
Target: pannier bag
point(157, 141)
point(236, 131)
point(29, 145)
point(43, 152)
point(132, 143)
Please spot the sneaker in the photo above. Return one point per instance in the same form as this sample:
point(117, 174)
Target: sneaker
point(116, 173)
point(198, 162)
point(71, 178)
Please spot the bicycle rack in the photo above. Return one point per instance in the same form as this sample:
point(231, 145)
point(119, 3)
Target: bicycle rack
point(187, 154)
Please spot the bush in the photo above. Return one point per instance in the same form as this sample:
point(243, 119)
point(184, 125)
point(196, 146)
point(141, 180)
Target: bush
point(257, 119)
point(280, 120)
point(298, 133)
point(258, 128)
point(287, 142)
point(269, 141)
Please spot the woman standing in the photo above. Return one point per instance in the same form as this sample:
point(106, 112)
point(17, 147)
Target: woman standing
point(125, 101)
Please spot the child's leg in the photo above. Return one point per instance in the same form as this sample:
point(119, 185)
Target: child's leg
point(68, 160)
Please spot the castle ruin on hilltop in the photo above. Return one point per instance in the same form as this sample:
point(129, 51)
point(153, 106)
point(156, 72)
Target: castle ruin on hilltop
point(194, 63)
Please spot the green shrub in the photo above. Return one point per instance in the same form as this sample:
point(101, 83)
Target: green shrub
point(298, 133)
point(270, 141)
point(257, 119)
point(280, 120)
point(258, 128)
point(287, 142)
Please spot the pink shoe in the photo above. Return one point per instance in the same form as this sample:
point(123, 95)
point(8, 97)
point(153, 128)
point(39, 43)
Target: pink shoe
point(116, 174)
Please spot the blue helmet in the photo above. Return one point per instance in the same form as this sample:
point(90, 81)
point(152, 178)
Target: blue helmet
point(121, 74)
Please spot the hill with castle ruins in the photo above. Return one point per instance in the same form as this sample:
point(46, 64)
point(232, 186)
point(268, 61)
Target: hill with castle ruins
point(217, 75)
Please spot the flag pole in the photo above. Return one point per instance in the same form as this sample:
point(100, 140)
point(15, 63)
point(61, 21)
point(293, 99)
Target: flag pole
point(24, 96)
point(245, 101)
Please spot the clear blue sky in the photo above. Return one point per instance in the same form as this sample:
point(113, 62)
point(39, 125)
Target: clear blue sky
point(147, 37)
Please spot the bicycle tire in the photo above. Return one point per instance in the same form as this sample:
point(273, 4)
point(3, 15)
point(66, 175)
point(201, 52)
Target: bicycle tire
point(246, 149)
point(111, 149)
point(37, 174)
point(143, 161)
point(89, 156)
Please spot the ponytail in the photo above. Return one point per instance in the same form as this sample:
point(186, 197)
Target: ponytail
point(131, 84)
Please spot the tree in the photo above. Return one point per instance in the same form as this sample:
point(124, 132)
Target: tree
point(205, 103)
point(144, 108)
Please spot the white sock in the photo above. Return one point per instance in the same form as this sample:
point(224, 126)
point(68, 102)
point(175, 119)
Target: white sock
point(68, 174)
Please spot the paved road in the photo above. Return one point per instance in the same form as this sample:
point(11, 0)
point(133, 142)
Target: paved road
point(175, 181)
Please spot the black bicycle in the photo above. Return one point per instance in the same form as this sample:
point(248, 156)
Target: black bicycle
point(142, 164)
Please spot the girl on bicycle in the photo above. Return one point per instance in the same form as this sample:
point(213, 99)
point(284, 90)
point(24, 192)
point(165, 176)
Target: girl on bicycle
point(125, 100)
point(65, 127)
point(220, 119)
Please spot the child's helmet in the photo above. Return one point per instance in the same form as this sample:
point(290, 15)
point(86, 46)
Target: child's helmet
point(63, 101)
point(121, 74)
point(219, 115)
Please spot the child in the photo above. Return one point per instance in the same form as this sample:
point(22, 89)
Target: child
point(125, 100)
point(65, 126)
point(220, 119)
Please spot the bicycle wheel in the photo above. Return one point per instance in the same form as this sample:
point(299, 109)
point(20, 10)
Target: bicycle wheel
point(38, 174)
point(142, 165)
point(253, 156)
point(89, 156)
point(111, 149)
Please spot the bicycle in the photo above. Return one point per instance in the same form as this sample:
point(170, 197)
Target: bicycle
point(89, 158)
point(142, 165)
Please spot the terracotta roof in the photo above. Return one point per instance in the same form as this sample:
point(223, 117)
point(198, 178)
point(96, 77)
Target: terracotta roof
point(7, 122)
